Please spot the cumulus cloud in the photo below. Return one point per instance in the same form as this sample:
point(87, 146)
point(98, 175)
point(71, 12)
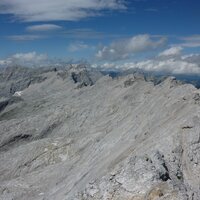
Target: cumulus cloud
point(25, 59)
point(125, 48)
point(173, 51)
point(169, 66)
point(43, 27)
point(51, 10)
point(166, 62)
point(192, 58)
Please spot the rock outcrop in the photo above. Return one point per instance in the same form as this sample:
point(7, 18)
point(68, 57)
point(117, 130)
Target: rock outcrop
point(113, 139)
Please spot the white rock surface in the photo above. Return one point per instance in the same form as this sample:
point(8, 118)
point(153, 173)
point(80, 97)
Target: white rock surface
point(18, 94)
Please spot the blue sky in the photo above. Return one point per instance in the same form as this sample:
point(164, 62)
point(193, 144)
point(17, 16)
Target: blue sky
point(101, 31)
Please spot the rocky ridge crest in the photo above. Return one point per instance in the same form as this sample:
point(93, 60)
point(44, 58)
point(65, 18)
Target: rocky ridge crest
point(80, 135)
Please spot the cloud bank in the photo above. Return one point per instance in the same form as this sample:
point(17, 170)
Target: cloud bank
point(173, 51)
point(125, 48)
point(169, 66)
point(169, 61)
point(51, 10)
point(25, 59)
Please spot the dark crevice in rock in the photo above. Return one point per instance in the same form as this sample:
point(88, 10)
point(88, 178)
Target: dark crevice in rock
point(12, 100)
point(82, 77)
point(163, 173)
point(48, 130)
point(129, 82)
point(187, 127)
point(74, 77)
point(3, 105)
point(197, 97)
point(81, 85)
point(165, 176)
point(16, 139)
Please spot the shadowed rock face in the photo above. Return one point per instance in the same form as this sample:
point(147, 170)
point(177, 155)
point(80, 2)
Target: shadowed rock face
point(83, 76)
point(18, 78)
point(117, 139)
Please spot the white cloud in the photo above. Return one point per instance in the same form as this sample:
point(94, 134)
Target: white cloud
point(165, 66)
point(170, 63)
point(4, 62)
point(43, 27)
point(192, 58)
point(51, 10)
point(123, 49)
point(173, 51)
point(25, 37)
point(107, 65)
point(29, 57)
point(26, 59)
point(77, 46)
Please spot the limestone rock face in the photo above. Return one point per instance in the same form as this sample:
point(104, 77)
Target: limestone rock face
point(113, 139)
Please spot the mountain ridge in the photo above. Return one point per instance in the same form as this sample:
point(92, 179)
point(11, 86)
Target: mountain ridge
point(121, 138)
